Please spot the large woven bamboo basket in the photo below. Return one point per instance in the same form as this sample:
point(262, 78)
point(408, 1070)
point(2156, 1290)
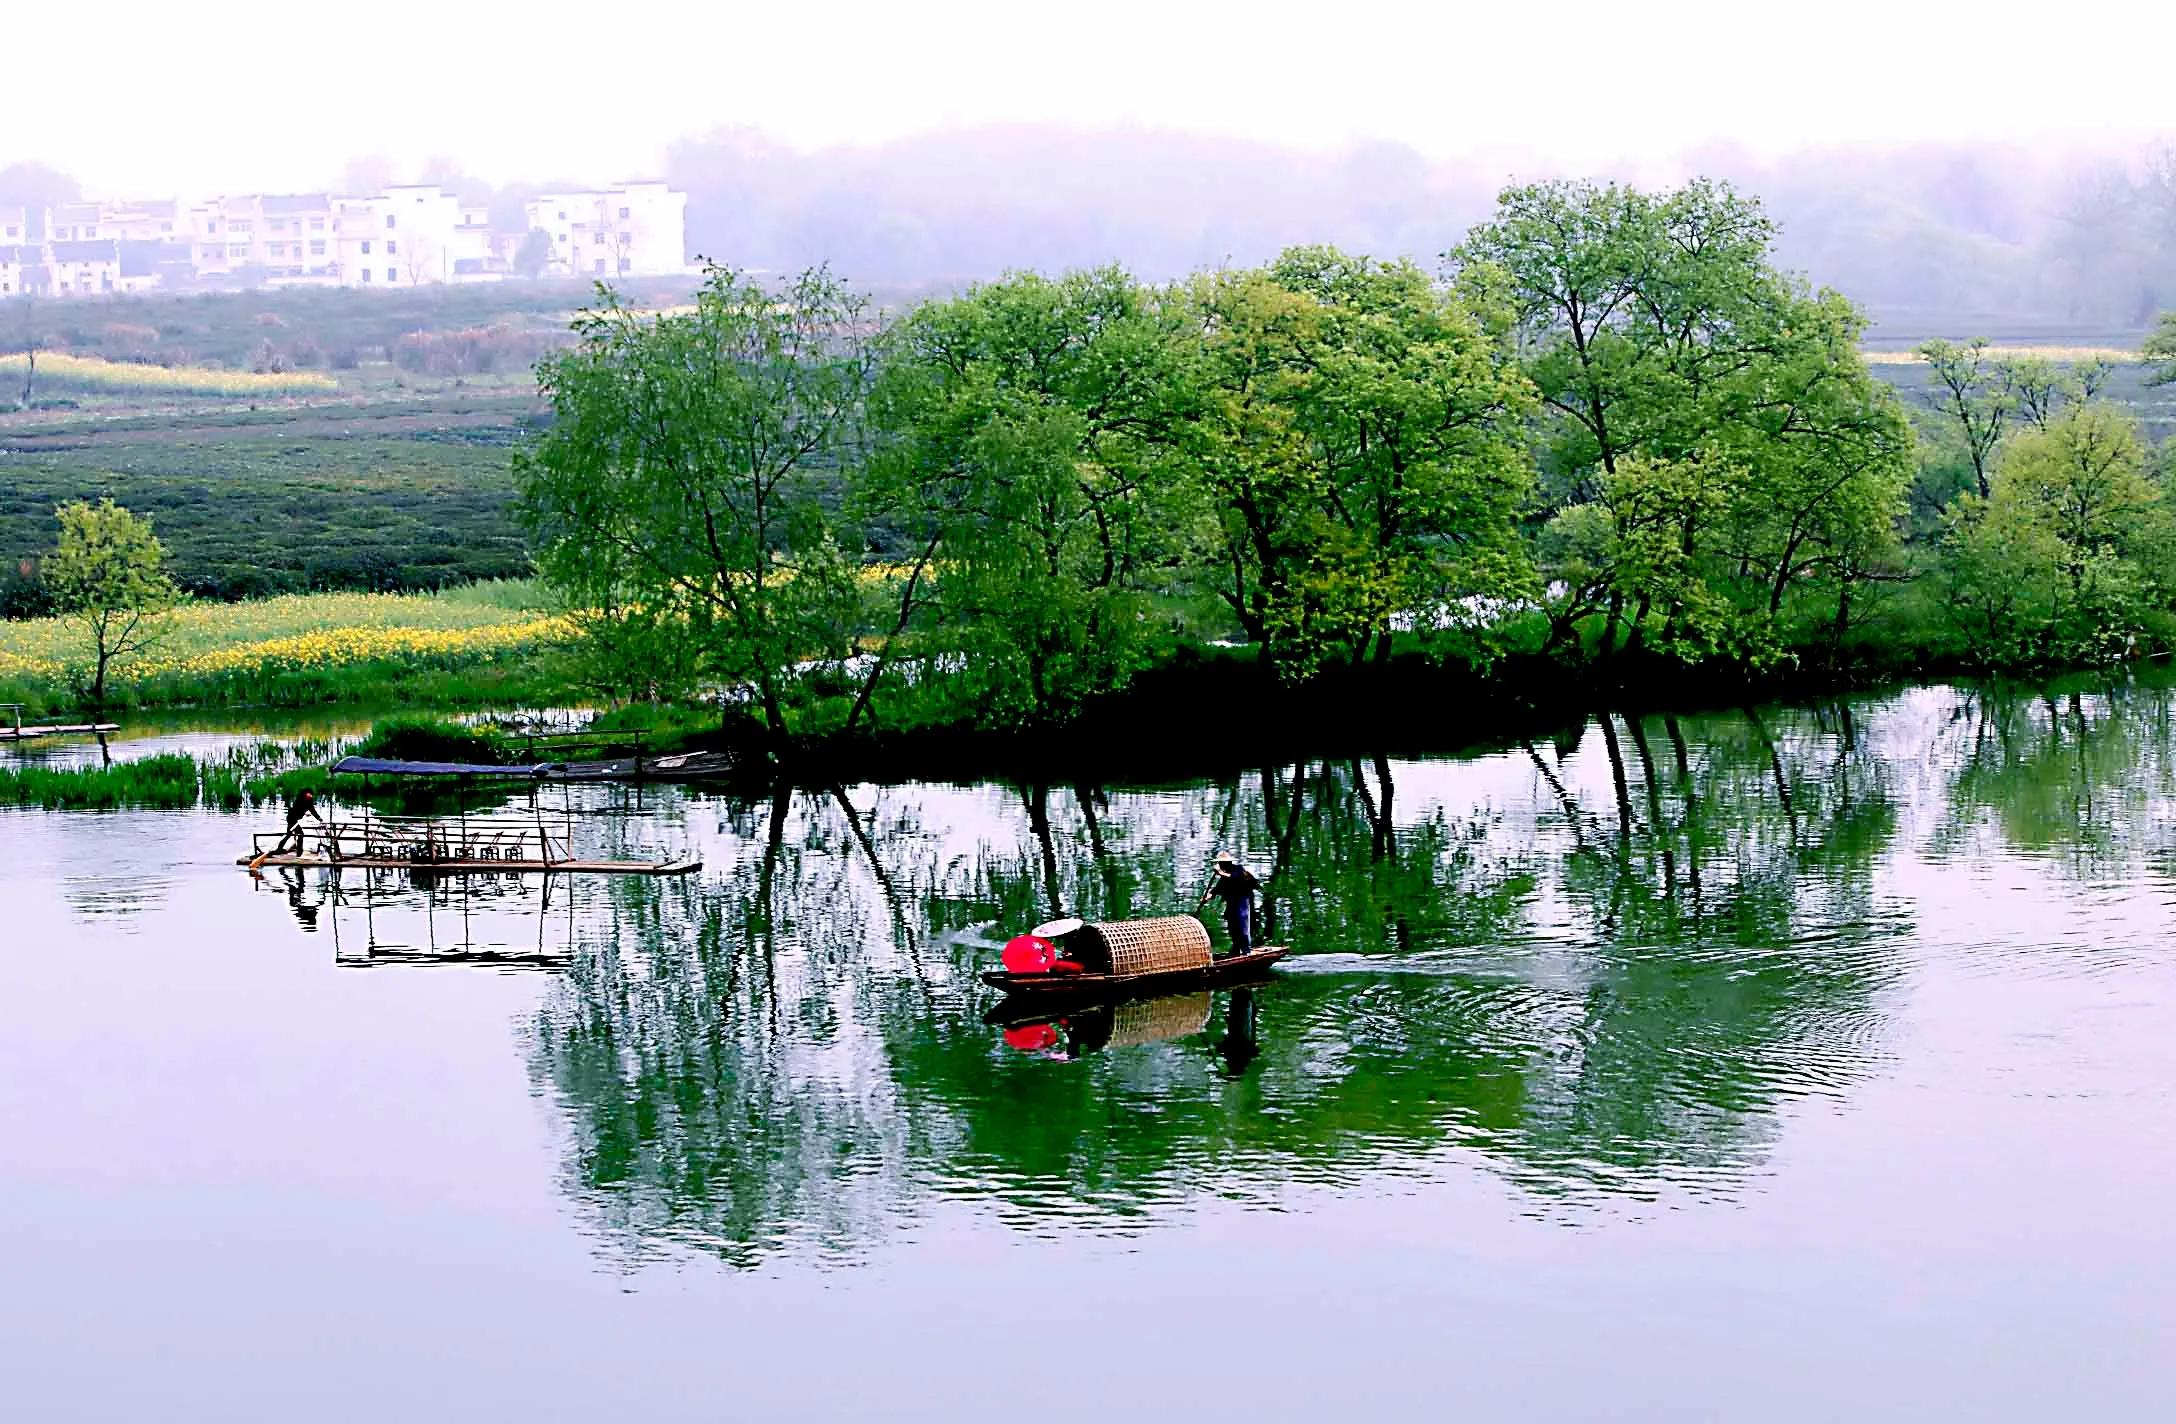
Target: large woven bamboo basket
point(1154, 946)
point(1158, 1020)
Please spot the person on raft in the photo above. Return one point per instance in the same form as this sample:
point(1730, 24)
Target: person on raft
point(1235, 885)
point(303, 805)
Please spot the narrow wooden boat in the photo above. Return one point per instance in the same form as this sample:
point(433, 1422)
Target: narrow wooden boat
point(1230, 969)
point(1126, 957)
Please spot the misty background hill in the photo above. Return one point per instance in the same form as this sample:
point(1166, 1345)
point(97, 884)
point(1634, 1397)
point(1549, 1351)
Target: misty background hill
point(2007, 241)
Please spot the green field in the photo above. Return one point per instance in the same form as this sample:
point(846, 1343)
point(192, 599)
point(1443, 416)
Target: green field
point(389, 495)
point(336, 330)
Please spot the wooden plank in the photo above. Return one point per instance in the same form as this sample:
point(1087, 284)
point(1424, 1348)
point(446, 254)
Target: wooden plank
point(82, 729)
point(467, 867)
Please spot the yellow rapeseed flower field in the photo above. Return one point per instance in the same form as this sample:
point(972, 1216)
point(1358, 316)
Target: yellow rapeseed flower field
point(306, 632)
point(89, 373)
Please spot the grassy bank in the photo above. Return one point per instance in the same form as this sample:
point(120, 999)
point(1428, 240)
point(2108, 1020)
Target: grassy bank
point(265, 774)
point(171, 781)
point(474, 646)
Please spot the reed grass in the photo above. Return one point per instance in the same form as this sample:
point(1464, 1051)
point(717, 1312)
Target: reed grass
point(259, 775)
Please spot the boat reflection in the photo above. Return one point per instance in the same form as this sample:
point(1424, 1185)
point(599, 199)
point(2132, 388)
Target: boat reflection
point(1079, 1029)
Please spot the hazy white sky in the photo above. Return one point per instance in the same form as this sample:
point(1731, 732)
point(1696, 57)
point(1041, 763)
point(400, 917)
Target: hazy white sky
point(163, 97)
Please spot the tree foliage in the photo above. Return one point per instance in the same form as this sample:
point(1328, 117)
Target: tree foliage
point(2067, 557)
point(1362, 452)
point(108, 577)
point(2160, 351)
point(678, 497)
point(1612, 425)
point(1714, 447)
point(1029, 451)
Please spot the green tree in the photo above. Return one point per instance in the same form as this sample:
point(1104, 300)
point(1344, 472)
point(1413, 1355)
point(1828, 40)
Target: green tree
point(2160, 351)
point(108, 578)
point(1696, 396)
point(1361, 442)
point(680, 491)
point(2062, 561)
point(534, 254)
point(1971, 392)
point(1027, 450)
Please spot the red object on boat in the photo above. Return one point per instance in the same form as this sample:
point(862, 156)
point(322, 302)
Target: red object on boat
point(1032, 1038)
point(1026, 954)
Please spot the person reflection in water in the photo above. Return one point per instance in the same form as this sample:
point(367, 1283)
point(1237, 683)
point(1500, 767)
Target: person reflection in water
point(305, 911)
point(1235, 885)
point(1239, 1046)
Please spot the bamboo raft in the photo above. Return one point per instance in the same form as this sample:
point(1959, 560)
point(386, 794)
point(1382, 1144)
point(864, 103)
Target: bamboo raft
point(1126, 958)
point(466, 845)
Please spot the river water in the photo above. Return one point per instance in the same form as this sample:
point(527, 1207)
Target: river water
point(1786, 1065)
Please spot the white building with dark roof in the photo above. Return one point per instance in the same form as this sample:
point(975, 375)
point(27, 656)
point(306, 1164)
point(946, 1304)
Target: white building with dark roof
point(84, 268)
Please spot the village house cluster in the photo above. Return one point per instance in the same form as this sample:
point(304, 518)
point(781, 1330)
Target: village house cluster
point(407, 236)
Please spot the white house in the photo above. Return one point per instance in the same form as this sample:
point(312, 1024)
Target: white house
point(632, 230)
point(407, 236)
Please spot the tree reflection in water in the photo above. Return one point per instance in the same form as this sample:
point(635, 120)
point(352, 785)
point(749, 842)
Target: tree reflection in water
point(1599, 968)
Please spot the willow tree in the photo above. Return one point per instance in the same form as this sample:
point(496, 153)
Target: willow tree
point(1027, 436)
point(679, 496)
point(1360, 444)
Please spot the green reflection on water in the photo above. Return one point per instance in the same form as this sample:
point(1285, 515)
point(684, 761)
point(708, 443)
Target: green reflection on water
point(1598, 968)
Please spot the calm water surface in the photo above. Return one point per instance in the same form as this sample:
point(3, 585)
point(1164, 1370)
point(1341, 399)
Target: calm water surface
point(1790, 1065)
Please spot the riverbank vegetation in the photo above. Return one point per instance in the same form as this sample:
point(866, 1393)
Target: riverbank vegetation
point(482, 644)
point(1603, 444)
point(263, 774)
point(1607, 435)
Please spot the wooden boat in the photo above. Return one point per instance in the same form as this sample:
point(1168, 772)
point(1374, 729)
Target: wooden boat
point(1134, 957)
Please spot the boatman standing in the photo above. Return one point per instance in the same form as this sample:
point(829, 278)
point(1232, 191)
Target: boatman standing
point(301, 806)
point(1235, 885)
